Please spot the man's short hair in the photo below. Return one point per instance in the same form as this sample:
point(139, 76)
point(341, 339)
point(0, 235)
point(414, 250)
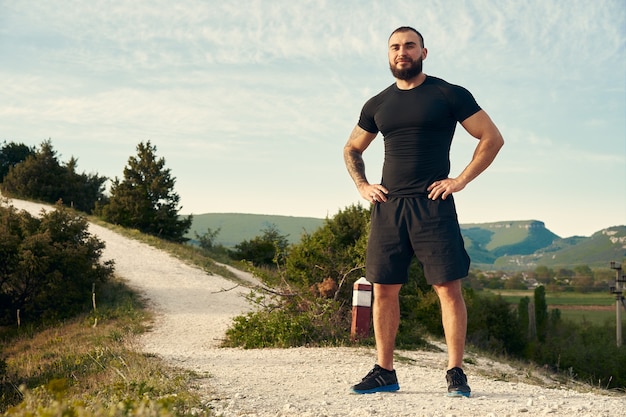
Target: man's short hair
point(408, 29)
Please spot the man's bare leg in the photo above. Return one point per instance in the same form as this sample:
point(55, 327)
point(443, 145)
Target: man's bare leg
point(386, 315)
point(454, 319)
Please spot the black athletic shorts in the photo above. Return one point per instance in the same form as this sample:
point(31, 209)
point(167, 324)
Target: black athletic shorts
point(429, 229)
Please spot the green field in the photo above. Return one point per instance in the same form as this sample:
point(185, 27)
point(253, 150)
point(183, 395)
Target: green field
point(593, 316)
point(596, 307)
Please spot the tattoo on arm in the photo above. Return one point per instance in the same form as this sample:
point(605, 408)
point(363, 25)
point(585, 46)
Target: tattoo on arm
point(356, 166)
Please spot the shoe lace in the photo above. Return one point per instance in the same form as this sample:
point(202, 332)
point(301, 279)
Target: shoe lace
point(457, 378)
point(374, 371)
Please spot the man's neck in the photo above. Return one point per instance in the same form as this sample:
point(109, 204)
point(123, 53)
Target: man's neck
point(411, 83)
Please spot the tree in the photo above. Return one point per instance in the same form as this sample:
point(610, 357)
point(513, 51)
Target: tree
point(42, 177)
point(145, 199)
point(582, 281)
point(264, 250)
point(207, 240)
point(541, 312)
point(12, 154)
point(544, 274)
point(82, 191)
point(38, 177)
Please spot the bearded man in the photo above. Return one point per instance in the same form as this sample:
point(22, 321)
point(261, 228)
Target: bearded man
point(413, 212)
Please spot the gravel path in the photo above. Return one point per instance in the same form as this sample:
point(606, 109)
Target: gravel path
point(194, 310)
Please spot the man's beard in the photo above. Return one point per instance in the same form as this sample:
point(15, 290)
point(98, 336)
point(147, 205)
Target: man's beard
point(412, 71)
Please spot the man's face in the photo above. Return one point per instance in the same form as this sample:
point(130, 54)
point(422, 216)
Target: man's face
point(405, 55)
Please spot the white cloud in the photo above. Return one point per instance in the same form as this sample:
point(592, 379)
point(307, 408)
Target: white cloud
point(260, 88)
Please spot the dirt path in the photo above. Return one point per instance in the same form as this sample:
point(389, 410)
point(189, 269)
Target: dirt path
point(193, 313)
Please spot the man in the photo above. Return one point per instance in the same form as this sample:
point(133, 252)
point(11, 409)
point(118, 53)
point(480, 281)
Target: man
point(413, 212)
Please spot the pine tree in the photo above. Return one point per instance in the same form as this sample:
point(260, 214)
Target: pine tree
point(145, 199)
point(40, 176)
point(12, 154)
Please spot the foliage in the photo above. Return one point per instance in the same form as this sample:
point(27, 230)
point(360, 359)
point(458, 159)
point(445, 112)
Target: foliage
point(335, 251)
point(265, 250)
point(207, 240)
point(12, 154)
point(48, 265)
point(311, 300)
point(541, 313)
point(42, 177)
point(585, 351)
point(145, 199)
point(78, 369)
point(208, 246)
point(493, 325)
point(296, 320)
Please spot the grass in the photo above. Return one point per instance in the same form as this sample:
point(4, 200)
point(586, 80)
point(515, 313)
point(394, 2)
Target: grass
point(598, 317)
point(78, 369)
point(594, 307)
point(561, 298)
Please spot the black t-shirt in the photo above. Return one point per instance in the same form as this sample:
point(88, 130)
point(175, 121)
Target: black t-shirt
point(417, 126)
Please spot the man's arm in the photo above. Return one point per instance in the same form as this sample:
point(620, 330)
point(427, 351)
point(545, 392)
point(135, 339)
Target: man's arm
point(490, 140)
point(358, 141)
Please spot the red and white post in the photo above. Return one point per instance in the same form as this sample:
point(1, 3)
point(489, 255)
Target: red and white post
point(361, 309)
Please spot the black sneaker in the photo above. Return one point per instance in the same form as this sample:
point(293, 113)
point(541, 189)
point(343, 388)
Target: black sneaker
point(377, 380)
point(457, 383)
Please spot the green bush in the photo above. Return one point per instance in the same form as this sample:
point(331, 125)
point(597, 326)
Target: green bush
point(584, 351)
point(48, 265)
point(297, 322)
point(493, 325)
point(266, 250)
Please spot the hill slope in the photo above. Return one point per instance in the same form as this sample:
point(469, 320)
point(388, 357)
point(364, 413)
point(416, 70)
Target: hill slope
point(511, 245)
point(598, 250)
point(237, 227)
point(193, 310)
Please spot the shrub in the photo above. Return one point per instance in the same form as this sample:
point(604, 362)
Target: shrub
point(48, 265)
point(295, 321)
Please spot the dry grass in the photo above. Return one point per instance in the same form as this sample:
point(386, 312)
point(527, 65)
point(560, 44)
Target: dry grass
point(76, 368)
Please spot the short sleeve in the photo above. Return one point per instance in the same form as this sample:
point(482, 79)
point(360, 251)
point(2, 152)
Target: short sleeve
point(366, 119)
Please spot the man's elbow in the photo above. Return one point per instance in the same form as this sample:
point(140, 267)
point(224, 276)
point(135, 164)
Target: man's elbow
point(496, 140)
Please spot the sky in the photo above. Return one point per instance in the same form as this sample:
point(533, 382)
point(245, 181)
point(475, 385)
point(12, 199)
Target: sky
point(251, 102)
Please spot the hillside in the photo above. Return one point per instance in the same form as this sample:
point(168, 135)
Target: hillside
point(193, 310)
point(237, 227)
point(486, 242)
point(598, 250)
point(510, 245)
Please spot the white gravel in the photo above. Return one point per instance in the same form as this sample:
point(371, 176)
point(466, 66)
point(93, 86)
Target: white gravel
point(194, 310)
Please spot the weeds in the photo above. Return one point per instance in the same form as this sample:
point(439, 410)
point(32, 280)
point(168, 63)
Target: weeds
point(77, 369)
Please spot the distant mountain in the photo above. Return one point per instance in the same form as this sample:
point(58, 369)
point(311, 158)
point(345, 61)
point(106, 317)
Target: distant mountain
point(236, 227)
point(510, 245)
point(598, 250)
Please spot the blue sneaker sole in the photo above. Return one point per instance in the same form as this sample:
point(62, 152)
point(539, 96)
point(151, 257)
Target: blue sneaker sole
point(386, 388)
point(458, 394)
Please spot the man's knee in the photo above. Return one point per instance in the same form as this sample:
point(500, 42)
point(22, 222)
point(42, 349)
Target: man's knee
point(385, 292)
point(450, 290)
